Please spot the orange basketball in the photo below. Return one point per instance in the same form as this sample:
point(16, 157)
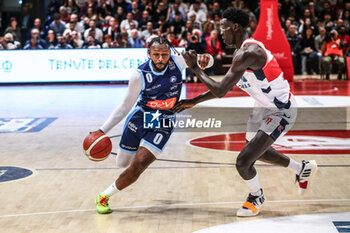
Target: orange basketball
point(97, 146)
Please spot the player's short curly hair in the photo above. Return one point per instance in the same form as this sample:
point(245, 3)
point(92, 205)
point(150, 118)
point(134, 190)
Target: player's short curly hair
point(162, 40)
point(237, 16)
point(159, 40)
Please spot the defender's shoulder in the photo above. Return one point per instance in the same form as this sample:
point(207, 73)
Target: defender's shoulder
point(252, 48)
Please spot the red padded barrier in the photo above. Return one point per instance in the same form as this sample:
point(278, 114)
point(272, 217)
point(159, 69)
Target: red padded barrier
point(269, 31)
point(347, 63)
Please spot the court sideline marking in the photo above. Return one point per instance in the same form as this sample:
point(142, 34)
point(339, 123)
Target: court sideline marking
point(40, 109)
point(168, 205)
point(188, 143)
point(220, 165)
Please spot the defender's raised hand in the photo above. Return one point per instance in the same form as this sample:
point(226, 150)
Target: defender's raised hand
point(203, 60)
point(190, 58)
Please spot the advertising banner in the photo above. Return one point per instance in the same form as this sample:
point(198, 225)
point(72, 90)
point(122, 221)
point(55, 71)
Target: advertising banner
point(80, 65)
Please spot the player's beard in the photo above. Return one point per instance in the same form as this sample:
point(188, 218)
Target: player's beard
point(156, 67)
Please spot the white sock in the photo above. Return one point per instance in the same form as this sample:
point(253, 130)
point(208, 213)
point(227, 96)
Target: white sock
point(254, 185)
point(112, 189)
point(294, 166)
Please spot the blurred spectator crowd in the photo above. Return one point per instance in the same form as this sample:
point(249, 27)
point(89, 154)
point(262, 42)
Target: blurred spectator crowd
point(317, 31)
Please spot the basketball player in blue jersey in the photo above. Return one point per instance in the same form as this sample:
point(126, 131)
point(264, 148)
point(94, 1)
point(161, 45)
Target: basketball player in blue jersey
point(157, 84)
point(255, 71)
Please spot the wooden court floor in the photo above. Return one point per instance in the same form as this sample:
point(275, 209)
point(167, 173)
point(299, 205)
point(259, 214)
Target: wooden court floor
point(171, 196)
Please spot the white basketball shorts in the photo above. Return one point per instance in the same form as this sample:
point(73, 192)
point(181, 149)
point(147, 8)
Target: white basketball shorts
point(273, 121)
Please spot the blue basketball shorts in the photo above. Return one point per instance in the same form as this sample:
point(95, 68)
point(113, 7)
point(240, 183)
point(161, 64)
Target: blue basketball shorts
point(134, 135)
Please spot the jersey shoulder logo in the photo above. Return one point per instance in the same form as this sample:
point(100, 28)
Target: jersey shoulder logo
point(172, 65)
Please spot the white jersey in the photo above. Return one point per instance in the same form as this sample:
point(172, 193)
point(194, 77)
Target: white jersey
point(266, 85)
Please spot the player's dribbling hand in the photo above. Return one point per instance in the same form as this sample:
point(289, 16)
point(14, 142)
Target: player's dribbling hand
point(97, 131)
point(190, 58)
point(182, 105)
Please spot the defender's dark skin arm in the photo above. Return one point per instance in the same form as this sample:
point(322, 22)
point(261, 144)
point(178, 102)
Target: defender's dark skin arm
point(250, 56)
point(203, 97)
point(189, 103)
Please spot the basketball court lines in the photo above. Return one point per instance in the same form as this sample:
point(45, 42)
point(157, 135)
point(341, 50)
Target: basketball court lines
point(38, 110)
point(303, 101)
point(308, 223)
point(190, 187)
point(227, 151)
point(174, 205)
point(223, 165)
point(335, 89)
point(298, 142)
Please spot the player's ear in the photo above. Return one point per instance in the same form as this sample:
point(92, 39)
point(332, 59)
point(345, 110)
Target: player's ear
point(235, 26)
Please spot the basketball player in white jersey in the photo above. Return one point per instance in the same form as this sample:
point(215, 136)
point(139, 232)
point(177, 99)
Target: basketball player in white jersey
point(256, 71)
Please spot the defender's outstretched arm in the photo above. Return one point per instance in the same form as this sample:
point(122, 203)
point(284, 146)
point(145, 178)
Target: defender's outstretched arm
point(246, 57)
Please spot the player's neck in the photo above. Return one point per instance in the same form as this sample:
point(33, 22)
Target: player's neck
point(241, 38)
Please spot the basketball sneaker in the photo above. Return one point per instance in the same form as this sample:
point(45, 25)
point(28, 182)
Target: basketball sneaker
point(308, 170)
point(252, 206)
point(101, 203)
